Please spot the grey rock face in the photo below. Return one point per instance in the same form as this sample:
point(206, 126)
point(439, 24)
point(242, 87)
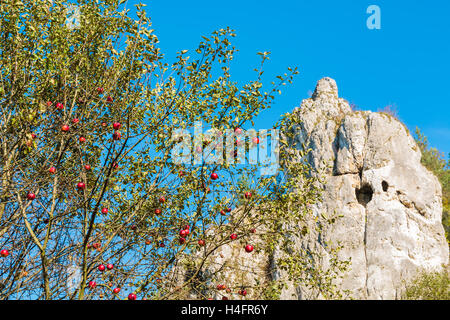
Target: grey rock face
point(391, 205)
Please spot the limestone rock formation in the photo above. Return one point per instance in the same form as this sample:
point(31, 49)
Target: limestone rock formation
point(390, 204)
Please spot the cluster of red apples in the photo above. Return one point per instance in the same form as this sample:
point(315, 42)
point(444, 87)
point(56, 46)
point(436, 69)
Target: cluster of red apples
point(183, 233)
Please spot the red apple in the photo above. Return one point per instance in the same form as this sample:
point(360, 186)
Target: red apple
point(75, 120)
point(162, 199)
point(96, 245)
point(4, 253)
point(65, 128)
point(248, 195)
point(158, 211)
point(117, 135)
point(182, 240)
point(222, 212)
point(201, 242)
point(81, 186)
point(82, 139)
point(101, 267)
point(49, 103)
point(233, 236)
point(59, 106)
point(33, 136)
point(238, 131)
point(100, 90)
point(253, 230)
point(87, 167)
point(109, 99)
point(134, 227)
point(117, 125)
point(183, 233)
point(214, 176)
point(52, 170)
point(228, 209)
point(104, 210)
point(31, 196)
point(132, 296)
point(116, 290)
point(249, 248)
point(109, 266)
point(104, 124)
point(92, 284)
point(255, 140)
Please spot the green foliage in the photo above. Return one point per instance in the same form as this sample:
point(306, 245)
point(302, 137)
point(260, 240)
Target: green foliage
point(272, 290)
point(104, 68)
point(429, 286)
point(434, 161)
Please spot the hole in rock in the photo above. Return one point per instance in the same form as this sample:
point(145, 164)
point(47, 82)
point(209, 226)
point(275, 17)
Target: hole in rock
point(364, 194)
point(385, 186)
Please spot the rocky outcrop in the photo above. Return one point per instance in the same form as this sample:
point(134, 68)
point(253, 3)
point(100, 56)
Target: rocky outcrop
point(390, 204)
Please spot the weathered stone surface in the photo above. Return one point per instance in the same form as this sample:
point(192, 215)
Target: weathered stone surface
point(391, 205)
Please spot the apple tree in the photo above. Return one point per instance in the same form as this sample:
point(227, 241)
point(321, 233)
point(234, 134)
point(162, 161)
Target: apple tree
point(93, 204)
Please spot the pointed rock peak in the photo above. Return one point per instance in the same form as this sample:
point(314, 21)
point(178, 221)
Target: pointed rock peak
point(325, 87)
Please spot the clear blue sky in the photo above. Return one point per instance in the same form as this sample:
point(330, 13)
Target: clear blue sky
point(405, 63)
